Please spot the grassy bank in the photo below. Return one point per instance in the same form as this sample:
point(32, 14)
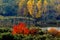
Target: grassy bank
point(5, 34)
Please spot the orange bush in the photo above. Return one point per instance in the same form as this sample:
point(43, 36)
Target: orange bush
point(52, 30)
point(58, 33)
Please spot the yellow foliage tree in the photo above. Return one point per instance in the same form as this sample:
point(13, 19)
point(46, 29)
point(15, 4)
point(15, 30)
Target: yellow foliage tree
point(45, 2)
point(22, 7)
point(30, 7)
point(21, 3)
point(39, 6)
point(58, 9)
point(45, 5)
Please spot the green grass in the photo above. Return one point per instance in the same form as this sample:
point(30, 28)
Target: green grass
point(41, 35)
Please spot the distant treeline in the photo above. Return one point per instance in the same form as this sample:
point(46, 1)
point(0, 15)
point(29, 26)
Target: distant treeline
point(44, 12)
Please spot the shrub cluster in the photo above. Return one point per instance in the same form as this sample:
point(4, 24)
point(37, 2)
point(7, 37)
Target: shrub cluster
point(40, 35)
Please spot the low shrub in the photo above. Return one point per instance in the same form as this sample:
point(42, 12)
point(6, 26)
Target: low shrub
point(2, 30)
point(9, 36)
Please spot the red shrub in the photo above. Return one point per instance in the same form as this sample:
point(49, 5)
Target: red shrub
point(21, 24)
point(20, 28)
point(15, 29)
point(26, 31)
point(33, 31)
